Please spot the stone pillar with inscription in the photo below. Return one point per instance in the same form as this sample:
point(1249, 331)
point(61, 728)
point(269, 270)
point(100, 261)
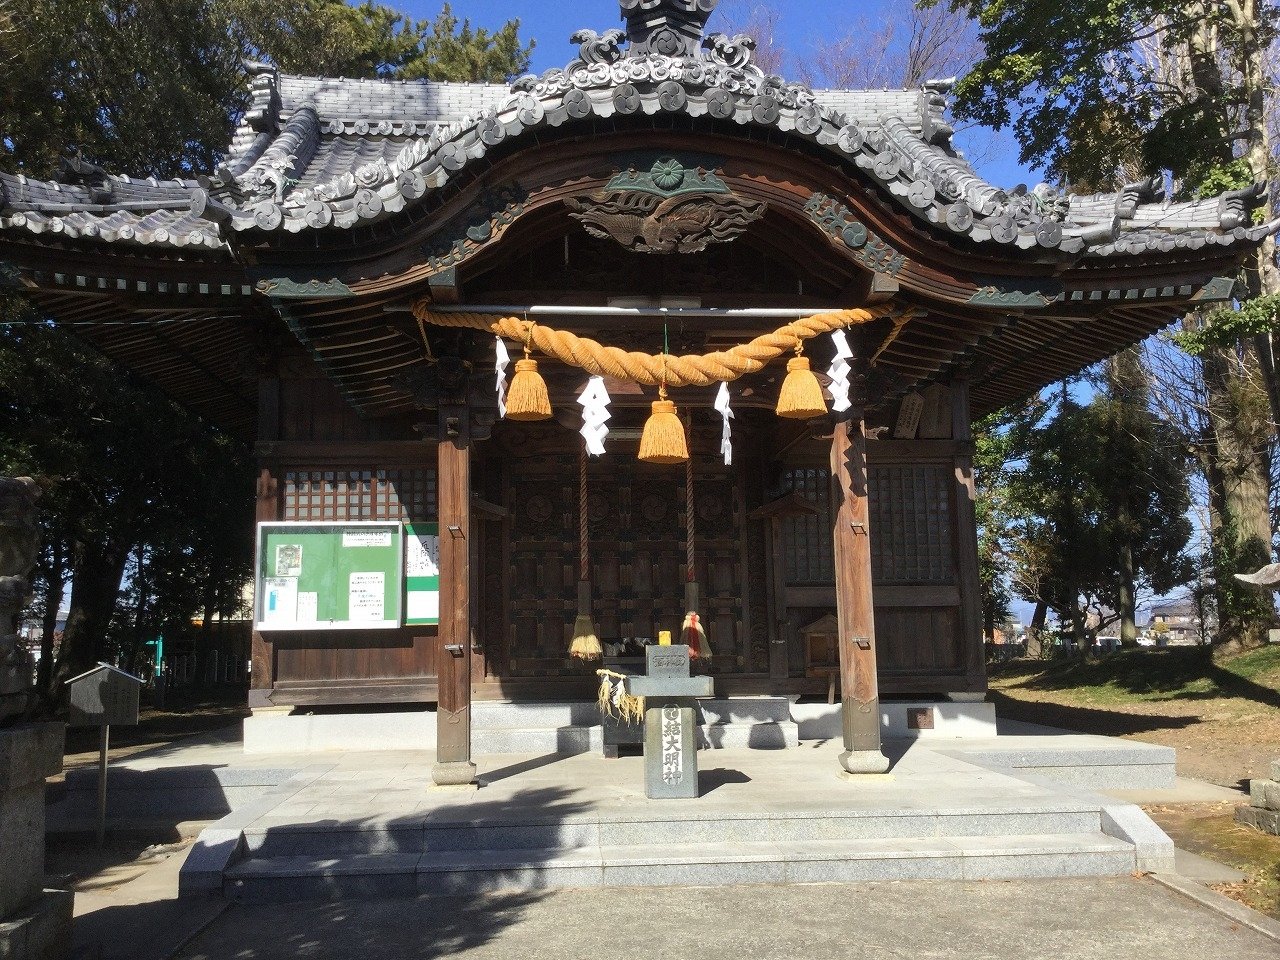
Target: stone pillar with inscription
point(670, 722)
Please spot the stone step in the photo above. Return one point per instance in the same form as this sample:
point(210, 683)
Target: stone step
point(766, 735)
point(401, 874)
point(491, 715)
point(497, 835)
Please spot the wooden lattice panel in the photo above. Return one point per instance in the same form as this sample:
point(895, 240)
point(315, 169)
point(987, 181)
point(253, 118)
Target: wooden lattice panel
point(810, 548)
point(344, 495)
point(911, 538)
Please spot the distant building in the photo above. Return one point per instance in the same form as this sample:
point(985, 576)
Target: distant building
point(1176, 623)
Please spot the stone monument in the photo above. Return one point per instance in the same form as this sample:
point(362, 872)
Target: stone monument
point(670, 722)
point(35, 924)
point(1263, 809)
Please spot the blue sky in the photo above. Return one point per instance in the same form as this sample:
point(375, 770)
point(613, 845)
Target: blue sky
point(800, 24)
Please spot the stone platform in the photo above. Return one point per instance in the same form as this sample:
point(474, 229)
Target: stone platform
point(762, 723)
point(373, 825)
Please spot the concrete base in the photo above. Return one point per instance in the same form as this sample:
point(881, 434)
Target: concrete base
point(761, 723)
point(903, 720)
point(39, 931)
point(864, 761)
point(457, 773)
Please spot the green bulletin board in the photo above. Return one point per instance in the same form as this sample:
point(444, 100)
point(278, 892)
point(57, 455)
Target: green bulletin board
point(422, 574)
point(329, 576)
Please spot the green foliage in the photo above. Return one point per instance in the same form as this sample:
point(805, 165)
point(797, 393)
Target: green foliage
point(1080, 489)
point(122, 469)
point(151, 88)
point(1072, 82)
point(331, 38)
point(999, 440)
point(1238, 604)
point(1225, 327)
point(451, 51)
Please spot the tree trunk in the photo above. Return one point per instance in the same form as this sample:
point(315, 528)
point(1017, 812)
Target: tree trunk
point(55, 586)
point(1239, 492)
point(1125, 589)
point(95, 588)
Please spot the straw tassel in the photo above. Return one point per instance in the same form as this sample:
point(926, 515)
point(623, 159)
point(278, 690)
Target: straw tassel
point(527, 398)
point(801, 395)
point(585, 644)
point(663, 440)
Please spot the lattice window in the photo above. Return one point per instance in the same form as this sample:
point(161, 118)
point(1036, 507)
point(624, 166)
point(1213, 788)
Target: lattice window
point(407, 495)
point(807, 537)
point(911, 524)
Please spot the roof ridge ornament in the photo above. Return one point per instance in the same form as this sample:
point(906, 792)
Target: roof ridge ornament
point(672, 28)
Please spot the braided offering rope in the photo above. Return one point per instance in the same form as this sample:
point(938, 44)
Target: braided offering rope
point(691, 370)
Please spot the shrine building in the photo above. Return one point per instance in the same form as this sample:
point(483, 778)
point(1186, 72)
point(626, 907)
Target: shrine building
point(355, 287)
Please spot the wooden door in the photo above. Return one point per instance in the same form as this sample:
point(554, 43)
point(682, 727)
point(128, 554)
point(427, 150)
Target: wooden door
point(636, 523)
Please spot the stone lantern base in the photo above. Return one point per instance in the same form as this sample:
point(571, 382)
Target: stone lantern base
point(35, 924)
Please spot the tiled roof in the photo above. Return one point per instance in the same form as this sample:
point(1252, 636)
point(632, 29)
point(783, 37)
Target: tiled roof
point(315, 153)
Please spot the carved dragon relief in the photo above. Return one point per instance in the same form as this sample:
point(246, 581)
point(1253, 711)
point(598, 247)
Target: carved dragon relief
point(668, 209)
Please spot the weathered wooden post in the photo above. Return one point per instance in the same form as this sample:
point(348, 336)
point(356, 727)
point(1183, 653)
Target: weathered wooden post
point(855, 613)
point(453, 765)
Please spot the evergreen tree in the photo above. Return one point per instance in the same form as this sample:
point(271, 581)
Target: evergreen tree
point(1105, 91)
point(151, 89)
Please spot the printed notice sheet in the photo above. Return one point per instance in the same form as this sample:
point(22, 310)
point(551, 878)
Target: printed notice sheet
point(308, 607)
point(422, 555)
point(280, 600)
point(366, 597)
point(366, 538)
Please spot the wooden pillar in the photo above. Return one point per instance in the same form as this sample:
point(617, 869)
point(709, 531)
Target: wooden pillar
point(261, 652)
point(453, 765)
point(860, 698)
point(967, 562)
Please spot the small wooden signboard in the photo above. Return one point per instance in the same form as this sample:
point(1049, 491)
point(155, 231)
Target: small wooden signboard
point(99, 698)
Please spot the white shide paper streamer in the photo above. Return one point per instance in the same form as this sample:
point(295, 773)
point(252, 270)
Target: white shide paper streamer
point(839, 372)
point(726, 434)
point(502, 358)
point(595, 415)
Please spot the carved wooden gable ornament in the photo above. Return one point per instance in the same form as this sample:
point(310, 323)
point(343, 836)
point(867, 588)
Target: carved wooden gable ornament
point(662, 204)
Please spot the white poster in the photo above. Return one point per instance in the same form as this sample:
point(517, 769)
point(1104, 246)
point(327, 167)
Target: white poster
point(308, 607)
point(366, 538)
point(280, 600)
point(422, 556)
point(366, 597)
point(422, 605)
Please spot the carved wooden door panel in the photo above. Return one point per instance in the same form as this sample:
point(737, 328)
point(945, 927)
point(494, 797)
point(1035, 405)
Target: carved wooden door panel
point(636, 547)
point(636, 523)
point(543, 503)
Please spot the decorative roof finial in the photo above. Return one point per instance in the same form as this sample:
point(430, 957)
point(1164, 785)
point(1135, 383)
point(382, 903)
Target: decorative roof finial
point(670, 27)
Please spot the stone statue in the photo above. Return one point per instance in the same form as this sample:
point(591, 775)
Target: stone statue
point(19, 548)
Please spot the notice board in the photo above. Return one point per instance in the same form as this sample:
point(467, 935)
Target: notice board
point(422, 574)
point(329, 576)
